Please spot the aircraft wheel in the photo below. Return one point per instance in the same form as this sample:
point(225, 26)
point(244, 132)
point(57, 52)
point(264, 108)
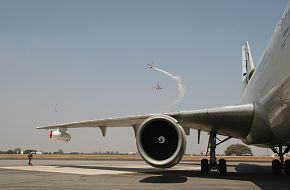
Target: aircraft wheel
point(222, 167)
point(204, 167)
point(276, 167)
point(287, 167)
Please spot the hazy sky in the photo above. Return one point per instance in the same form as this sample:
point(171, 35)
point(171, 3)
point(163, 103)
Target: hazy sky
point(64, 61)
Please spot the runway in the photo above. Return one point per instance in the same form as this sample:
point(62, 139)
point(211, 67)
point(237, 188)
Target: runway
point(78, 174)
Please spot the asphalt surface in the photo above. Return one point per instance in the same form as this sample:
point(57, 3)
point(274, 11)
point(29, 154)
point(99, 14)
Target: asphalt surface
point(68, 174)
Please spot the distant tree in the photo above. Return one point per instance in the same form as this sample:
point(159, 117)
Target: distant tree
point(238, 150)
point(10, 152)
point(60, 151)
point(74, 153)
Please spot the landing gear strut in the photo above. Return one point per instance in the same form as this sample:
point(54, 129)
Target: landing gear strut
point(278, 165)
point(212, 164)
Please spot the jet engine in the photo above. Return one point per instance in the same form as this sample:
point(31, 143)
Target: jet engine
point(161, 141)
point(60, 134)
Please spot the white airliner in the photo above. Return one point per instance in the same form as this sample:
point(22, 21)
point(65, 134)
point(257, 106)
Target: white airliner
point(262, 118)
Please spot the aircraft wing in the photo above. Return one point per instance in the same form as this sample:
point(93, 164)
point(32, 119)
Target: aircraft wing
point(234, 121)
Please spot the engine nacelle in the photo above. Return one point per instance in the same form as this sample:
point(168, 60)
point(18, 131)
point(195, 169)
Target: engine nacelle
point(60, 135)
point(161, 141)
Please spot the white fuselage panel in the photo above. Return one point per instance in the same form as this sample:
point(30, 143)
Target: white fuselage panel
point(270, 83)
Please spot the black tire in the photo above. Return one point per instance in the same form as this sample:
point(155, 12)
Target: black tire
point(287, 167)
point(204, 167)
point(222, 167)
point(276, 167)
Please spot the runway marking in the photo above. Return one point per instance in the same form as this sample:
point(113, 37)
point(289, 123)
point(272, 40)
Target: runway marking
point(67, 170)
point(94, 170)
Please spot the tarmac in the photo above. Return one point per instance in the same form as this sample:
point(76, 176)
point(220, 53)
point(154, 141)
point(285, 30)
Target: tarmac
point(80, 174)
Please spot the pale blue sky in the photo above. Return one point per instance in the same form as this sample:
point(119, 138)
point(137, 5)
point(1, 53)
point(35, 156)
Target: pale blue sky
point(89, 58)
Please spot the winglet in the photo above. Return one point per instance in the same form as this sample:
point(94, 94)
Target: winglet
point(248, 67)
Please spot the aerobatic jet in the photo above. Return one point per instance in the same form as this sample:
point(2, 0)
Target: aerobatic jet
point(157, 87)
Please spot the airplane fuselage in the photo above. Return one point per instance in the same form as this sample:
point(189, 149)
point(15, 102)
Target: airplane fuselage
point(269, 87)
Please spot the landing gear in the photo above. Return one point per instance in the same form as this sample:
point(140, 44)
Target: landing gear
point(222, 167)
point(204, 167)
point(278, 165)
point(287, 167)
point(211, 164)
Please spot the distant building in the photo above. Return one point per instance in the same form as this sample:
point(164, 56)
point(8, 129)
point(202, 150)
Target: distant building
point(133, 153)
point(38, 152)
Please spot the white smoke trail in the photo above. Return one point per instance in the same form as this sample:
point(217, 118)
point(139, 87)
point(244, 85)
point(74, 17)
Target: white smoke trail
point(181, 87)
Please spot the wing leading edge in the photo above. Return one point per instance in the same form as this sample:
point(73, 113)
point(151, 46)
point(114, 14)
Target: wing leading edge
point(235, 121)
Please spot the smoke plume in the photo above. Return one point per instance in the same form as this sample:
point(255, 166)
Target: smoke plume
point(181, 87)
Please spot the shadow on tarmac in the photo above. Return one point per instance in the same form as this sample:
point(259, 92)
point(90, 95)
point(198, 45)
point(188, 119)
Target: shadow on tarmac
point(260, 175)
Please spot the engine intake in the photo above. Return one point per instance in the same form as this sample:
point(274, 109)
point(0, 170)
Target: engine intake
point(161, 141)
